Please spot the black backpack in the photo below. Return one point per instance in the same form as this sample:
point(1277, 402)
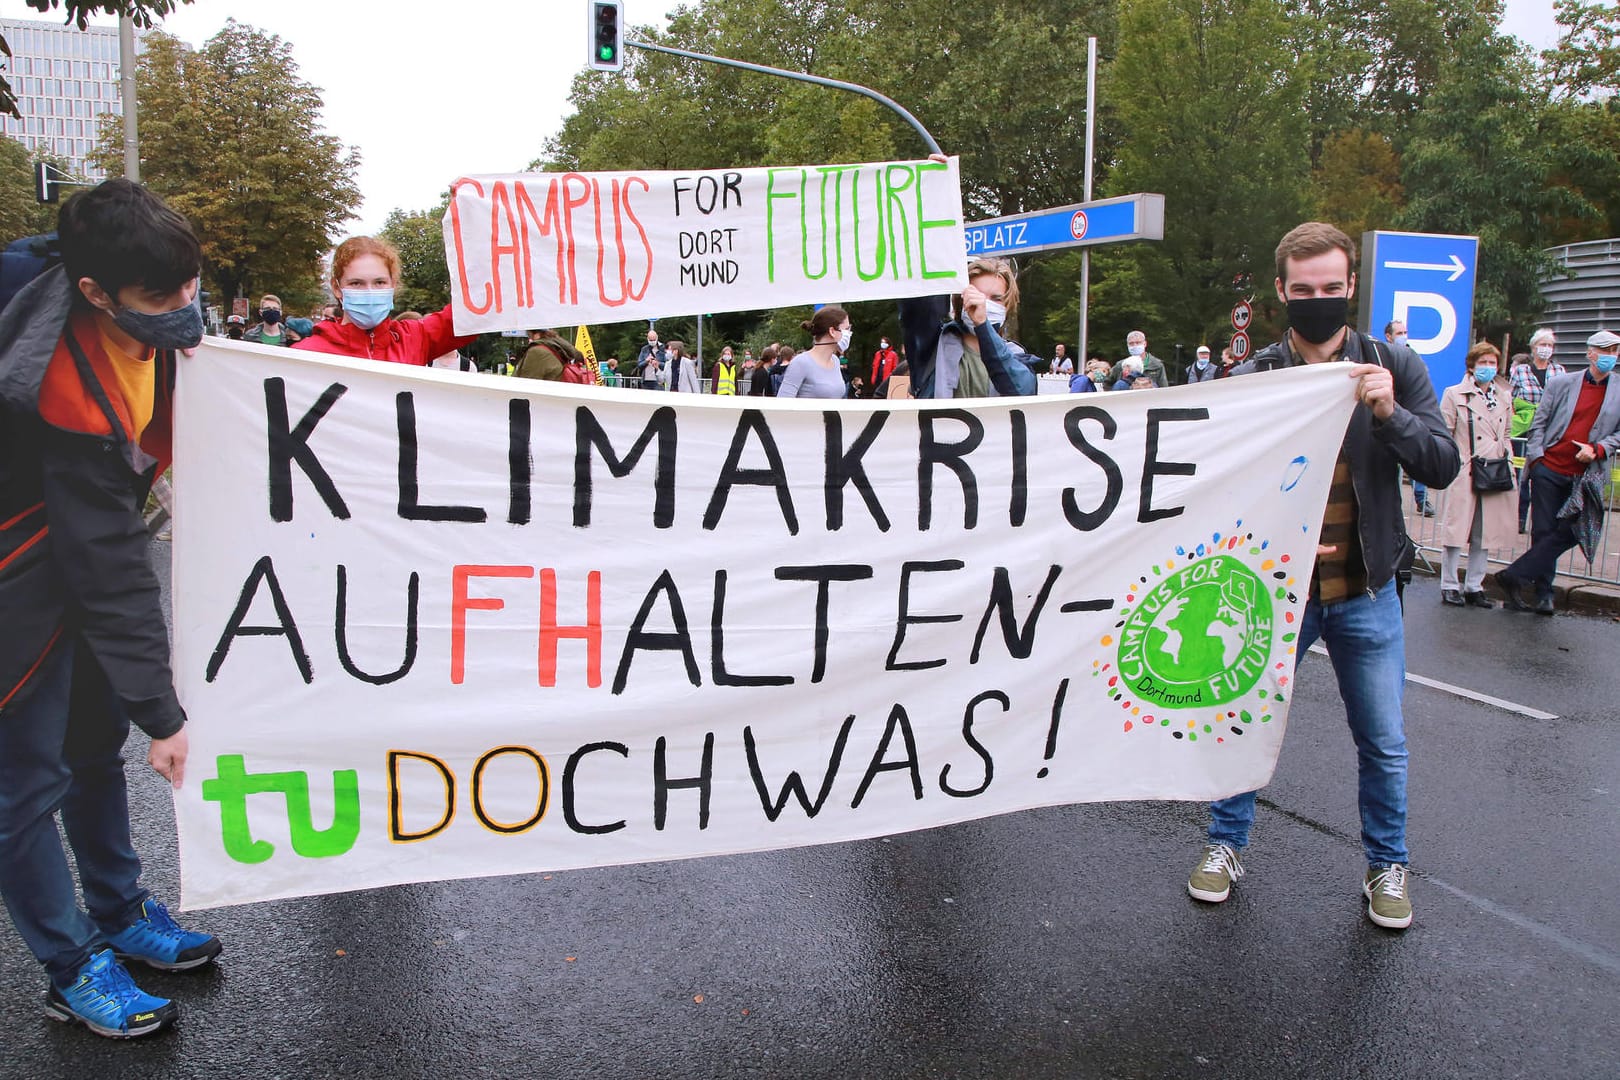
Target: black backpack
point(24, 260)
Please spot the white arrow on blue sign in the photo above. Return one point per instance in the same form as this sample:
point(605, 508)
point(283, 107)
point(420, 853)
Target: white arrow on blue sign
point(1425, 280)
point(1105, 221)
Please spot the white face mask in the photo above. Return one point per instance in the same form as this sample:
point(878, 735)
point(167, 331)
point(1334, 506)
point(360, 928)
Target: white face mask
point(844, 336)
point(1138, 350)
point(995, 313)
point(1544, 352)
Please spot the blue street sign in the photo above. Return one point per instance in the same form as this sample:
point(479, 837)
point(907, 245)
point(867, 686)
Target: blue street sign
point(1425, 280)
point(1105, 221)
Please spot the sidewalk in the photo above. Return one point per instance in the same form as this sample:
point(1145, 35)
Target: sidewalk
point(1573, 595)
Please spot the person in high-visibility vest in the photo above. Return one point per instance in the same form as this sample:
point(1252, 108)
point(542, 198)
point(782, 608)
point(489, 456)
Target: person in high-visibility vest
point(724, 376)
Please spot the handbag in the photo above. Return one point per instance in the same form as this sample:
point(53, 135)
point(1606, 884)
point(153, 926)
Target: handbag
point(1488, 474)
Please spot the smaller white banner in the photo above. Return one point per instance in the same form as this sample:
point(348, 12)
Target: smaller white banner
point(560, 249)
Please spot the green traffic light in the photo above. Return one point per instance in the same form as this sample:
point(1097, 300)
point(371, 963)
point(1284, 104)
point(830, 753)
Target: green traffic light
point(605, 52)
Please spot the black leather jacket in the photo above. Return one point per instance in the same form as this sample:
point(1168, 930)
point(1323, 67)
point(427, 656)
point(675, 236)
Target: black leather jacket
point(1415, 438)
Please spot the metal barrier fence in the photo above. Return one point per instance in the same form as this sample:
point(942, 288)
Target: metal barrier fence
point(1426, 532)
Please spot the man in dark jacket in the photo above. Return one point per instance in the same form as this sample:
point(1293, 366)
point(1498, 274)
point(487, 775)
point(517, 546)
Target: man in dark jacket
point(86, 380)
point(1353, 606)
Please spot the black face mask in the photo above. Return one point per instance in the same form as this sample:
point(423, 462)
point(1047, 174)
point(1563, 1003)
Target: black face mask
point(270, 316)
point(1318, 318)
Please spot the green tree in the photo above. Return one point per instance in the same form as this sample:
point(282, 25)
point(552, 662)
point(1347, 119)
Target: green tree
point(419, 236)
point(1357, 184)
point(21, 213)
point(141, 12)
point(1582, 75)
point(232, 138)
point(1004, 89)
point(1222, 135)
point(1481, 161)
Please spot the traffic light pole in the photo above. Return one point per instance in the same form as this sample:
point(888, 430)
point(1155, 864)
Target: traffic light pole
point(799, 76)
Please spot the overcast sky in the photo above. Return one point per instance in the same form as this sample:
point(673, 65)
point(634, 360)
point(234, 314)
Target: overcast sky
point(427, 96)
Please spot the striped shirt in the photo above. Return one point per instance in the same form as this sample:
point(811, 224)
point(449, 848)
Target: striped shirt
point(1341, 573)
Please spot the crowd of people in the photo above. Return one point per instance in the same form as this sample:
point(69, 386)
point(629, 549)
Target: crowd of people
point(87, 363)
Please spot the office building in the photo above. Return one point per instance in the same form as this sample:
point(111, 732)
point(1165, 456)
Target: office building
point(64, 79)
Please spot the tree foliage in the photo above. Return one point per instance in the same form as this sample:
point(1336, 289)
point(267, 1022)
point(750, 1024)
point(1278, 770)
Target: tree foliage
point(232, 138)
point(419, 237)
point(1249, 116)
point(1481, 161)
point(1222, 136)
point(21, 213)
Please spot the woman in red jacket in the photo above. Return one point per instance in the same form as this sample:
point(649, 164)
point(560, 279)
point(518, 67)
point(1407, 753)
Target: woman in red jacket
point(364, 273)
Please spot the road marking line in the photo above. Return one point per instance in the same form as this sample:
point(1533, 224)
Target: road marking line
point(1464, 692)
point(1592, 954)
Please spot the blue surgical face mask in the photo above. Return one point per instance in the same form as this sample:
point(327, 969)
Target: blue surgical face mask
point(1400, 339)
point(1203, 361)
point(1605, 362)
point(1484, 373)
point(181, 328)
point(367, 307)
point(1138, 350)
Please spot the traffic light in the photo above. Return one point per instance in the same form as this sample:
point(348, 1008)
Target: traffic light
point(606, 35)
point(45, 182)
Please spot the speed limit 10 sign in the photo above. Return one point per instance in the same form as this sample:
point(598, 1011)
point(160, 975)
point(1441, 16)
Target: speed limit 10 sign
point(1239, 346)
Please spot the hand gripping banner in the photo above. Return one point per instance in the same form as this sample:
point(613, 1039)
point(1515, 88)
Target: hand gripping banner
point(430, 625)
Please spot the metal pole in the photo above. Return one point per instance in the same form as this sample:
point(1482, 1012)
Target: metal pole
point(836, 84)
point(126, 72)
point(1085, 253)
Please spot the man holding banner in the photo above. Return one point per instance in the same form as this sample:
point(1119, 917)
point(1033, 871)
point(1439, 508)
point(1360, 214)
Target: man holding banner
point(1353, 605)
point(87, 361)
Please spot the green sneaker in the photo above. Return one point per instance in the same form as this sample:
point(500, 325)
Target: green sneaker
point(1212, 879)
point(1389, 904)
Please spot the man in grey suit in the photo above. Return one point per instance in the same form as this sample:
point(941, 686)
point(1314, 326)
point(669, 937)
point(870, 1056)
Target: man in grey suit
point(1577, 423)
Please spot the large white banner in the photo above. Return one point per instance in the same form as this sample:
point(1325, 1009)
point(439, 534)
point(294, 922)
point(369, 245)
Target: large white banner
point(560, 249)
point(435, 626)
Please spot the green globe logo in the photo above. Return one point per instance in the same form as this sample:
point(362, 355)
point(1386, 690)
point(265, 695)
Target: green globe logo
point(1200, 637)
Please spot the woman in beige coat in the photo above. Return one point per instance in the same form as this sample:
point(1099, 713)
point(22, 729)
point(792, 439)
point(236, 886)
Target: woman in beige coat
point(1480, 520)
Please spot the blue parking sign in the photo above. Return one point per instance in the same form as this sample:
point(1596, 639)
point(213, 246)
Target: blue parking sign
point(1425, 280)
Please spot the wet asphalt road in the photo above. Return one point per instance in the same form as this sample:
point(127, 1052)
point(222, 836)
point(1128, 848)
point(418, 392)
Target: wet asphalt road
point(1051, 943)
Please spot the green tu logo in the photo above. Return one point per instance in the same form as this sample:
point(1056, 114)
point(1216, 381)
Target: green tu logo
point(233, 786)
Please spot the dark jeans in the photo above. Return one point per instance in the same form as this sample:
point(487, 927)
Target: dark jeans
point(62, 749)
point(1549, 536)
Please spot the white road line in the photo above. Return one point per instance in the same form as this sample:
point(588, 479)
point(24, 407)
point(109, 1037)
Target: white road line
point(1464, 692)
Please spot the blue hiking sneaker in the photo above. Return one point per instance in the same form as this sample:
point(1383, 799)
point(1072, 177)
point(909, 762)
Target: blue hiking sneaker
point(106, 1000)
point(157, 941)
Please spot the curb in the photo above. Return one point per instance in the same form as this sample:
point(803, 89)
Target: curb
point(1570, 595)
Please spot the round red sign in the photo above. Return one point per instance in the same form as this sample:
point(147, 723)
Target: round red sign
point(1078, 225)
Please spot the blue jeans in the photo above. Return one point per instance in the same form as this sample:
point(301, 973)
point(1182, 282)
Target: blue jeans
point(1367, 644)
point(62, 749)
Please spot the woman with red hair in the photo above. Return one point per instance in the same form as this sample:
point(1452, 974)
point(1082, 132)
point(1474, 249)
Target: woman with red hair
point(365, 271)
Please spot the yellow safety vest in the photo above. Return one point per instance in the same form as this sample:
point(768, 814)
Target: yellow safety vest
point(725, 378)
